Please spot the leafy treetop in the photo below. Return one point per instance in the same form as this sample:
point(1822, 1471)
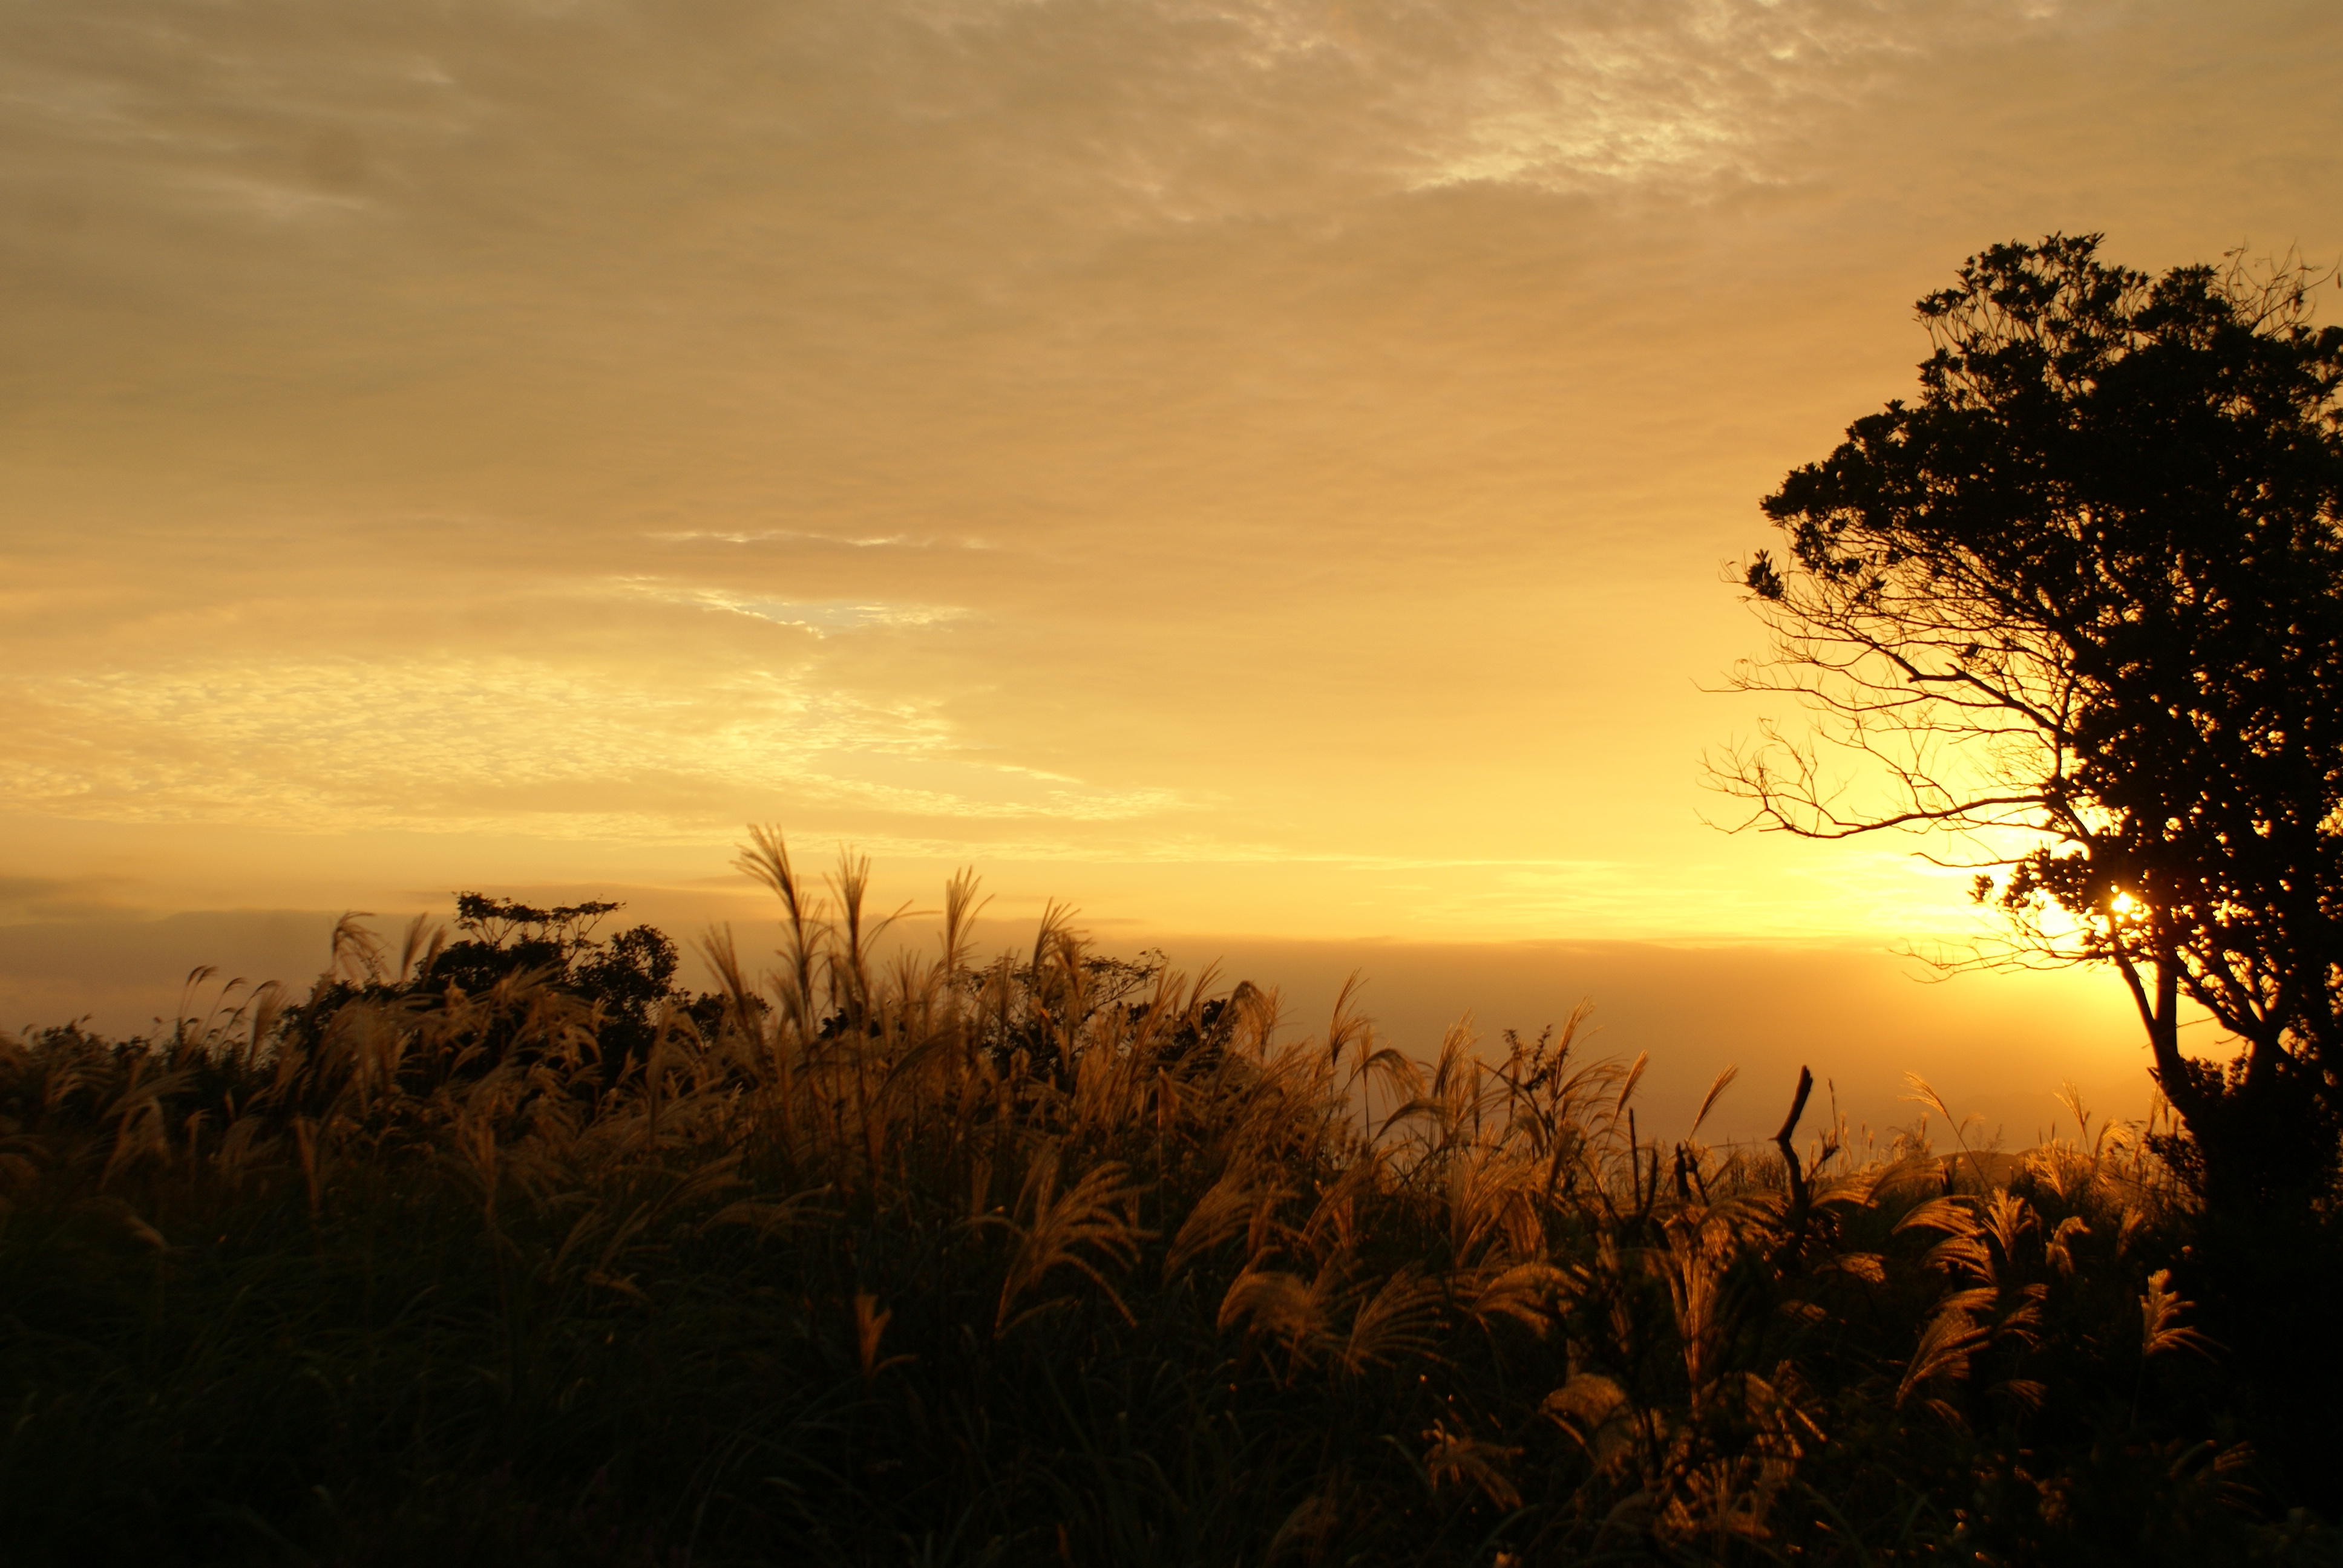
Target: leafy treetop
point(2081, 606)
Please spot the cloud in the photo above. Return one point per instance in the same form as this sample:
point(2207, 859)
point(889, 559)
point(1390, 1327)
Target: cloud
point(505, 745)
point(1282, 445)
point(823, 617)
point(786, 537)
point(1210, 109)
point(1136, 111)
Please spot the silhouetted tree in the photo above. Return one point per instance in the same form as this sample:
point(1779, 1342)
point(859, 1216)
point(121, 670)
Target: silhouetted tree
point(2084, 601)
point(626, 977)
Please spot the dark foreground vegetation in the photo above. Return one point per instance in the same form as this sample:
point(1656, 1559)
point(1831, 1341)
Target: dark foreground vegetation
point(503, 1252)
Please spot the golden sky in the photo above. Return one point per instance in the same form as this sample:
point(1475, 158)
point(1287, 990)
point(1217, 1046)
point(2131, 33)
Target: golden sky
point(1252, 468)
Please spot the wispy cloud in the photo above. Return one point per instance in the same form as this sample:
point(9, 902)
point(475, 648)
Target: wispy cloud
point(820, 616)
point(1180, 109)
point(1279, 446)
point(787, 536)
point(1220, 106)
point(505, 745)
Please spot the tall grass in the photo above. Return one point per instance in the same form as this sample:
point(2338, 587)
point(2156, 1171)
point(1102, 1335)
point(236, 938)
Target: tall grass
point(883, 1256)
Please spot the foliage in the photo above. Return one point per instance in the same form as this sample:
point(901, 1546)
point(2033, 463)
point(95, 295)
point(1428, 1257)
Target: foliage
point(505, 949)
point(915, 1260)
point(2085, 601)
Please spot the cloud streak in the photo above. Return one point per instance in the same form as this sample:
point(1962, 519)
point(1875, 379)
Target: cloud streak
point(823, 617)
point(505, 745)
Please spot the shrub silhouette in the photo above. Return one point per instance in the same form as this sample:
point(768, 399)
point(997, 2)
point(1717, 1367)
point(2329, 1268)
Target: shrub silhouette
point(509, 949)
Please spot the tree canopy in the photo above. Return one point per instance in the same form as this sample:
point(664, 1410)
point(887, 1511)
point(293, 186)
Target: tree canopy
point(502, 947)
point(2080, 606)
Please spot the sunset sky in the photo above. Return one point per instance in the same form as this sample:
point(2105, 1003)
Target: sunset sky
point(1263, 472)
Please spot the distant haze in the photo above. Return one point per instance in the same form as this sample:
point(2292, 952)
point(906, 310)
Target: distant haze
point(1997, 1047)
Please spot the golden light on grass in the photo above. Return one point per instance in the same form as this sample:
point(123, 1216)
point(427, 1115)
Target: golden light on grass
point(1151, 1267)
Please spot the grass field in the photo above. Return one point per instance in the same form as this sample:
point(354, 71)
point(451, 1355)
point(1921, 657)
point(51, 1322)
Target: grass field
point(1055, 1258)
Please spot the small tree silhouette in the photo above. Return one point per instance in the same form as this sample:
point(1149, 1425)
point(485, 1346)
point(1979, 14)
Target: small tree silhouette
point(2080, 606)
point(627, 978)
